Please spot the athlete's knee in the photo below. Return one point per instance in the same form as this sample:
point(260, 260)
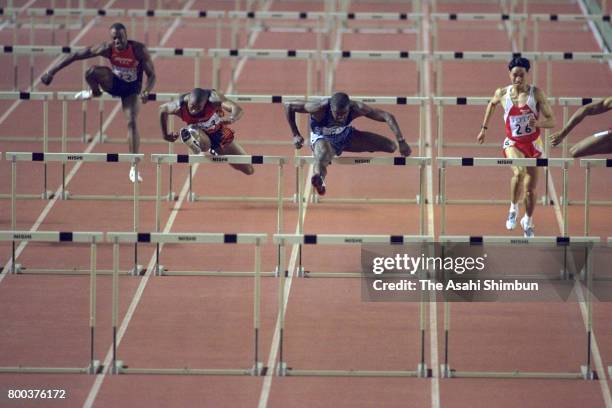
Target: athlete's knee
point(390, 146)
point(248, 170)
point(92, 73)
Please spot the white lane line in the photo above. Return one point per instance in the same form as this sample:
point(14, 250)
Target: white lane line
point(50, 204)
point(433, 306)
point(89, 25)
point(95, 389)
point(603, 383)
point(266, 387)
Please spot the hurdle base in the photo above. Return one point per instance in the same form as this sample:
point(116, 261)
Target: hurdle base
point(446, 371)
point(48, 195)
point(187, 371)
point(301, 272)
point(18, 268)
point(65, 195)
point(137, 270)
point(172, 196)
point(610, 371)
point(282, 369)
point(353, 373)
point(88, 138)
point(192, 197)
point(159, 270)
point(95, 367)
point(118, 367)
point(423, 371)
point(258, 369)
point(588, 374)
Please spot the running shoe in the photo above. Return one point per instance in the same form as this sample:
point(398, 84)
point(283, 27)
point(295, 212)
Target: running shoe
point(133, 175)
point(527, 228)
point(511, 221)
point(188, 137)
point(83, 95)
point(318, 183)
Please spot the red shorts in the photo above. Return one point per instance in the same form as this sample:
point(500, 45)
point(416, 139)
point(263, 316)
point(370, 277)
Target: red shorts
point(221, 138)
point(530, 149)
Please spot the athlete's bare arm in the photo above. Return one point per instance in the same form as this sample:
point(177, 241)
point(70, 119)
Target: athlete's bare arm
point(142, 54)
point(546, 119)
point(593, 108)
point(293, 107)
point(169, 108)
point(86, 53)
point(497, 98)
point(379, 115)
point(235, 111)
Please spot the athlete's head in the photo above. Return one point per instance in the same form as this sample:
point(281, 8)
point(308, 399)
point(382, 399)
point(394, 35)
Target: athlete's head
point(197, 100)
point(118, 35)
point(518, 68)
point(339, 105)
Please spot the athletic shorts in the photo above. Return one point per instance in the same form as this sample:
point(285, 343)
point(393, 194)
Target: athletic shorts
point(530, 149)
point(122, 88)
point(338, 142)
point(221, 138)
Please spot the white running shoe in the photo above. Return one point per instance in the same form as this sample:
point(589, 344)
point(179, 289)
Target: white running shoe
point(188, 137)
point(83, 95)
point(527, 228)
point(133, 175)
point(511, 221)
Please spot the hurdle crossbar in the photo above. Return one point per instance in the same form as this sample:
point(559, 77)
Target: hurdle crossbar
point(348, 239)
point(585, 371)
point(537, 19)
point(588, 164)
point(93, 238)
point(421, 162)
point(444, 162)
point(171, 159)
point(74, 12)
point(547, 57)
point(160, 238)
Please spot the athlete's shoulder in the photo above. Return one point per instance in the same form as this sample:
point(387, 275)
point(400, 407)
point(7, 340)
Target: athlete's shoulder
point(140, 50)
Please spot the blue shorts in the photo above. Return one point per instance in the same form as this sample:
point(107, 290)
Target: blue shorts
point(338, 141)
point(122, 88)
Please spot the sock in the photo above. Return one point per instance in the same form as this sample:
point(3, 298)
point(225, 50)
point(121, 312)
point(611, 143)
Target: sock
point(528, 220)
point(514, 207)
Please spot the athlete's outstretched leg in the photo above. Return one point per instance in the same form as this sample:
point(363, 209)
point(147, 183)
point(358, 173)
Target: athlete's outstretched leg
point(235, 149)
point(99, 79)
point(599, 143)
point(362, 141)
point(323, 153)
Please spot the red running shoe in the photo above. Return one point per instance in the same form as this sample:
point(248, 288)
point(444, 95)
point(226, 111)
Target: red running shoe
point(318, 183)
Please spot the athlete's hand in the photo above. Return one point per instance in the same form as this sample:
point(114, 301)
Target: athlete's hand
point(481, 136)
point(556, 138)
point(298, 141)
point(171, 137)
point(144, 96)
point(404, 148)
point(46, 78)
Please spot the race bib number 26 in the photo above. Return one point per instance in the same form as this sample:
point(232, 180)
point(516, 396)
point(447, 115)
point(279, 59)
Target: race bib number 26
point(520, 125)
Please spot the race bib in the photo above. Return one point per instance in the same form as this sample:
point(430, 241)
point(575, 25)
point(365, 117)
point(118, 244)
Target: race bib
point(211, 124)
point(520, 125)
point(329, 131)
point(126, 74)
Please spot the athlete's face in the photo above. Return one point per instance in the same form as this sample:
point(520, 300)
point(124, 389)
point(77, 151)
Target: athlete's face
point(518, 76)
point(119, 38)
point(339, 113)
point(194, 105)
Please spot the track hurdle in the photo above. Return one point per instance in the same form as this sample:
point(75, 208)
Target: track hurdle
point(505, 18)
point(257, 240)
point(585, 371)
point(588, 164)
point(421, 162)
point(93, 238)
point(538, 19)
point(216, 15)
point(278, 161)
point(547, 57)
point(67, 13)
point(329, 239)
point(45, 97)
point(442, 101)
point(444, 162)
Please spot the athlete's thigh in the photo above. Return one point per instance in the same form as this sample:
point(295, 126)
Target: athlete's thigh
point(593, 145)
point(362, 141)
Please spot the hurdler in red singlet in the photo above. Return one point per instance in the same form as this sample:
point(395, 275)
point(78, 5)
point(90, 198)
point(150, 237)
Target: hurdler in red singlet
point(526, 110)
point(204, 112)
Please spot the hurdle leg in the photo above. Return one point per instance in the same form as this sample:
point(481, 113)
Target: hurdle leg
point(94, 365)
point(442, 198)
point(117, 365)
point(137, 268)
point(587, 201)
point(282, 365)
point(421, 200)
point(46, 194)
point(565, 199)
point(257, 366)
point(279, 205)
point(587, 371)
